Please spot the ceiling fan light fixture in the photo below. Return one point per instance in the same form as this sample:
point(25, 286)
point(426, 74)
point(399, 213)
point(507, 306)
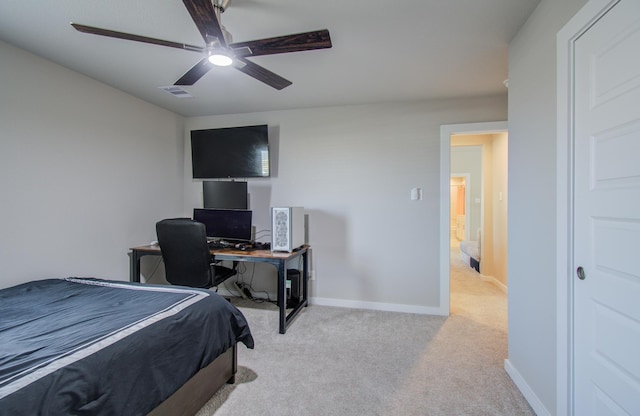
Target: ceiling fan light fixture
point(220, 59)
point(220, 50)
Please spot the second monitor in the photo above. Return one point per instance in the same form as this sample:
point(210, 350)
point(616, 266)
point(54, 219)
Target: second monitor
point(224, 194)
point(225, 224)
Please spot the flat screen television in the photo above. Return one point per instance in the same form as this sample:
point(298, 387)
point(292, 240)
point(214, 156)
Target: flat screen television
point(225, 224)
point(234, 152)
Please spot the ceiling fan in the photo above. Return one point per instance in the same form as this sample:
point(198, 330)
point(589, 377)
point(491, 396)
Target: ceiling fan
point(220, 49)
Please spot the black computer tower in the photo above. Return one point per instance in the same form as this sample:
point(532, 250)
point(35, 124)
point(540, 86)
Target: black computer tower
point(294, 287)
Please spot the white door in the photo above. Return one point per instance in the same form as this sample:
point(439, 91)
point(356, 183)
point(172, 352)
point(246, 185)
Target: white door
point(607, 215)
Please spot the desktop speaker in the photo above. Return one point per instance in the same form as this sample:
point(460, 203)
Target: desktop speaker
point(287, 228)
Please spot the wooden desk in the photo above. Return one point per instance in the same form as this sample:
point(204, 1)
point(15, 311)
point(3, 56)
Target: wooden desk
point(277, 259)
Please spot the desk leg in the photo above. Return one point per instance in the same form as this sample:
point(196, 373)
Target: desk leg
point(282, 296)
point(134, 266)
point(305, 277)
point(288, 320)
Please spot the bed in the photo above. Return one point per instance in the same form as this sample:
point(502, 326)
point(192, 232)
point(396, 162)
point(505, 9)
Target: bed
point(91, 346)
point(470, 252)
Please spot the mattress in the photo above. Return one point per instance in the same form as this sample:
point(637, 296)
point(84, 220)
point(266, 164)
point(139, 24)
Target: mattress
point(471, 249)
point(91, 346)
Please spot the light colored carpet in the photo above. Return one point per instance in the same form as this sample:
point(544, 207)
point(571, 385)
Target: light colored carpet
point(335, 361)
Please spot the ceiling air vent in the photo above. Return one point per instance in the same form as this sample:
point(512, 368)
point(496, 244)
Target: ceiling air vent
point(176, 91)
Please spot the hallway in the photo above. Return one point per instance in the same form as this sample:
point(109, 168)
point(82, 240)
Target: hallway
point(474, 296)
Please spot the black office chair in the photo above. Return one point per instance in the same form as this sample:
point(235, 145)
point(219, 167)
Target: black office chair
point(187, 259)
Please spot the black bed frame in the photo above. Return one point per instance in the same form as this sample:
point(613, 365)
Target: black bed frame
point(475, 264)
point(197, 391)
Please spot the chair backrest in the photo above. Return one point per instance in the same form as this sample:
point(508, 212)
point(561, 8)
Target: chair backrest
point(187, 259)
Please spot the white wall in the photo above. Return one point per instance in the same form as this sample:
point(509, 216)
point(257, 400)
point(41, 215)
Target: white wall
point(532, 202)
point(85, 171)
point(500, 197)
point(352, 168)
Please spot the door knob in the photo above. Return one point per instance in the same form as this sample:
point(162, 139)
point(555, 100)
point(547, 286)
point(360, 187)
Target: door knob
point(580, 272)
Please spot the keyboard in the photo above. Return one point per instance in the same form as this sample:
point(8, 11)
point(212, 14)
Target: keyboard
point(218, 244)
point(247, 246)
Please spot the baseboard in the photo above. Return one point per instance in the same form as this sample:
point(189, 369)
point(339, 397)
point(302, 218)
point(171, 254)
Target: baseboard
point(496, 282)
point(354, 304)
point(526, 391)
point(377, 306)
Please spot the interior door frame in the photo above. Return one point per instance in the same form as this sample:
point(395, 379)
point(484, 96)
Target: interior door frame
point(446, 130)
point(591, 12)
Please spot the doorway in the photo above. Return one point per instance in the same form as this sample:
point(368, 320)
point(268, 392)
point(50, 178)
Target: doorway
point(488, 194)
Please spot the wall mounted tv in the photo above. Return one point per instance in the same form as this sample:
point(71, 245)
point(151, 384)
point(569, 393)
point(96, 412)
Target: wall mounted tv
point(234, 152)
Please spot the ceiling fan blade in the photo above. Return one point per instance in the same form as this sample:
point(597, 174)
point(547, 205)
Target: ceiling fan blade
point(195, 73)
point(204, 16)
point(307, 41)
point(136, 38)
point(262, 74)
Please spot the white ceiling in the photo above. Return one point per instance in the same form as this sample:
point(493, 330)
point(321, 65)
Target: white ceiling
point(383, 51)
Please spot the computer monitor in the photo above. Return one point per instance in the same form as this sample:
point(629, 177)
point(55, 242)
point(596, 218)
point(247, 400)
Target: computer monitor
point(225, 224)
point(225, 194)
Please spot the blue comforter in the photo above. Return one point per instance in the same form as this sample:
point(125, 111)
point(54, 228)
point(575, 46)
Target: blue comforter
point(94, 347)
